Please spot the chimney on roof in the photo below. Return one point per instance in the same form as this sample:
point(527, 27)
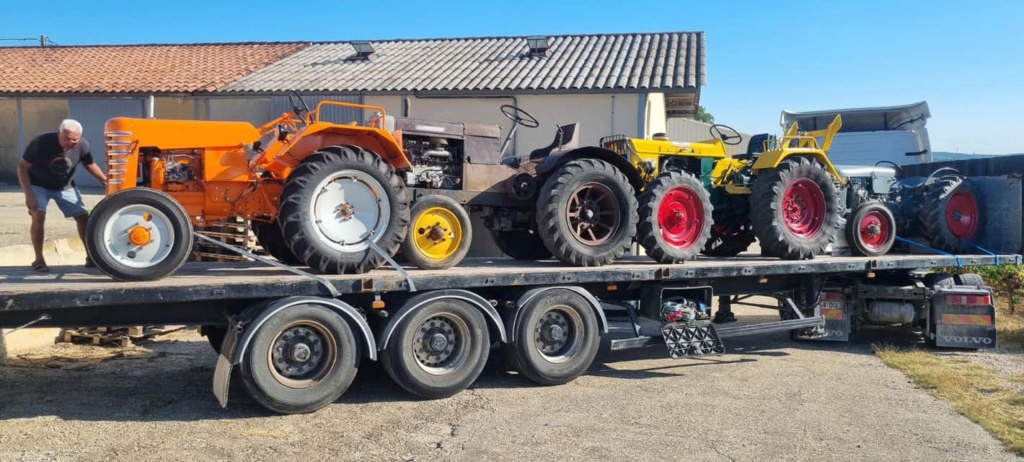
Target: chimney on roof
point(363, 49)
point(538, 45)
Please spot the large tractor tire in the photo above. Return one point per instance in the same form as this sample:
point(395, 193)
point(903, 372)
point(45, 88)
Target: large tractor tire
point(272, 240)
point(440, 234)
point(139, 234)
point(521, 245)
point(950, 214)
point(729, 238)
point(871, 229)
point(336, 202)
point(675, 218)
point(587, 213)
point(795, 210)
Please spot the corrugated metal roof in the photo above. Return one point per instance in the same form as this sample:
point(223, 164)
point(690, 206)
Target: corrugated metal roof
point(133, 68)
point(672, 61)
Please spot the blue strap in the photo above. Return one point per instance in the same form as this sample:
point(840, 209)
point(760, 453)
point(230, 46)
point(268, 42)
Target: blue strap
point(987, 251)
point(959, 262)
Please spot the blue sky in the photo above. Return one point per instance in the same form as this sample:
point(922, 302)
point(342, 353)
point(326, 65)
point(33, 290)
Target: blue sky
point(966, 58)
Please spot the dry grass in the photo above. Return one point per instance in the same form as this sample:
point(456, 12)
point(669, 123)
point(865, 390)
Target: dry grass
point(977, 392)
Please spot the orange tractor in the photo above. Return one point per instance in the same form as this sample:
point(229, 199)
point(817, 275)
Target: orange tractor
point(319, 193)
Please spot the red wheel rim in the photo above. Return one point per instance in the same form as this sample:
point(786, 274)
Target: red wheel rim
point(803, 208)
point(874, 230)
point(681, 217)
point(962, 215)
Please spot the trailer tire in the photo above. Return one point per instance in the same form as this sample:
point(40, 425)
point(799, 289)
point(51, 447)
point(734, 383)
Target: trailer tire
point(300, 360)
point(564, 325)
point(438, 350)
point(160, 235)
point(969, 279)
point(871, 229)
point(795, 209)
point(587, 213)
point(271, 238)
point(675, 218)
point(331, 236)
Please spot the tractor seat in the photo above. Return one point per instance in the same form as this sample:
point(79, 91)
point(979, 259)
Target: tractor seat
point(754, 148)
point(567, 138)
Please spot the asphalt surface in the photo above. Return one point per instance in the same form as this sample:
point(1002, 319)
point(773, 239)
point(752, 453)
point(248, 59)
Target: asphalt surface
point(769, 398)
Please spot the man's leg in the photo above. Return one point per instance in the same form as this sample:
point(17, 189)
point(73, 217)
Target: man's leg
point(38, 220)
point(71, 204)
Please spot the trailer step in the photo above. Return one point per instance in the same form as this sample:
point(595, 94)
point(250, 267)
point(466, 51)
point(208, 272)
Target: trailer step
point(722, 333)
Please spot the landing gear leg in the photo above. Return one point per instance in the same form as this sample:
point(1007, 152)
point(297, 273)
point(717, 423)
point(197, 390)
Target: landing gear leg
point(724, 314)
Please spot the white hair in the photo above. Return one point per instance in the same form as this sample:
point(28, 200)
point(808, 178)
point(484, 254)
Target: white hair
point(70, 126)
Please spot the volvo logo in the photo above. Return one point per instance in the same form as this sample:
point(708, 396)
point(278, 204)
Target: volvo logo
point(967, 340)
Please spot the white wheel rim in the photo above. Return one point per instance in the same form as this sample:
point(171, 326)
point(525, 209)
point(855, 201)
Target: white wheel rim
point(120, 248)
point(349, 209)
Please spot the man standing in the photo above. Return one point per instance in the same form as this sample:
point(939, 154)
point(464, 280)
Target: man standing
point(47, 172)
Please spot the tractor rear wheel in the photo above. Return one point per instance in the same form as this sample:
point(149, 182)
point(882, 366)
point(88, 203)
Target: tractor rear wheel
point(335, 203)
point(729, 238)
point(272, 240)
point(587, 213)
point(795, 209)
point(871, 229)
point(675, 218)
point(440, 233)
point(951, 214)
point(139, 234)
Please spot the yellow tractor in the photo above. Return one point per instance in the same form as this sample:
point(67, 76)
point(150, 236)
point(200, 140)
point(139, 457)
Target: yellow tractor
point(698, 198)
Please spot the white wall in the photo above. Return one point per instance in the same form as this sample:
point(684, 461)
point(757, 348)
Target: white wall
point(655, 115)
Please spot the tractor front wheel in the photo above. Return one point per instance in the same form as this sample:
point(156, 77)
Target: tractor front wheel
point(335, 203)
point(675, 218)
point(139, 234)
point(871, 229)
point(440, 235)
point(795, 209)
point(587, 213)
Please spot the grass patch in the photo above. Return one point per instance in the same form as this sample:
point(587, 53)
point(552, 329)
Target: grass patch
point(973, 390)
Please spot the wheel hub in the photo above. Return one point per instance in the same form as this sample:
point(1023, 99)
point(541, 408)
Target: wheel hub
point(301, 352)
point(438, 343)
point(556, 333)
point(681, 217)
point(803, 208)
point(346, 211)
point(436, 233)
point(435, 342)
point(297, 352)
point(874, 230)
point(592, 213)
point(139, 236)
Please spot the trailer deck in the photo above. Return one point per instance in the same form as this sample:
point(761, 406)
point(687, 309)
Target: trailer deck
point(67, 287)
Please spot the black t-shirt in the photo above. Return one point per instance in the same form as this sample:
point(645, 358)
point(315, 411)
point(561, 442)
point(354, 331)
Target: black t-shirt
point(52, 166)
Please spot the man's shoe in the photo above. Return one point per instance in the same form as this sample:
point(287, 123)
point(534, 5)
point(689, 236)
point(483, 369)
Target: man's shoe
point(89, 263)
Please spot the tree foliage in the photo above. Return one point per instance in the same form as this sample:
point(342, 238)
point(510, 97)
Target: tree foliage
point(704, 116)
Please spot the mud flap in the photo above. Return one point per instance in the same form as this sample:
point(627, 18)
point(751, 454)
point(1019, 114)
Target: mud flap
point(691, 340)
point(964, 318)
point(222, 373)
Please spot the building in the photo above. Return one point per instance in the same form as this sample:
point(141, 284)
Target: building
point(612, 83)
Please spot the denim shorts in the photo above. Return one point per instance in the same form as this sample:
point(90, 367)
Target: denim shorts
point(69, 200)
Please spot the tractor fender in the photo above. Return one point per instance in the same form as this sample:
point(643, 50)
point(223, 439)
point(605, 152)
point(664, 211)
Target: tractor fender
point(770, 160)
point(413, 303)
point(554, 161)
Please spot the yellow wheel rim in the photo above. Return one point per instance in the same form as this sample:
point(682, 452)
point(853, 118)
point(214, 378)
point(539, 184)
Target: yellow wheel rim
point(437, 233)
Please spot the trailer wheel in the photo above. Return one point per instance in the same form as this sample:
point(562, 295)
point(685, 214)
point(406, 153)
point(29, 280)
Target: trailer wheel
point(139, 234)
point(272, 240)
point(675, 218)
point(521, 245)
point(440, 233)
point(438, 350)
point(334, 203)
point(556, 338)
point(969, 279)
point(951, 214)
point(871, 229)
point(300, 360)
point(587, 213)
point(729, 238)
point(795, 209)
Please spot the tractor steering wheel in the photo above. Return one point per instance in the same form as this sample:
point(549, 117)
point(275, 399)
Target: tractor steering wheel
point(519, 116)
point(716, 132)
point(292, 97)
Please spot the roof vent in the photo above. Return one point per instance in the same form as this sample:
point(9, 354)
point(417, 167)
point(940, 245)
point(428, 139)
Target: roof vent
point(363, 49)
point(538, 45)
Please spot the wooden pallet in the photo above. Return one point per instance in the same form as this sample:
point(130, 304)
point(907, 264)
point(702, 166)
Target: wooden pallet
point(118, 336)
point(235, 231)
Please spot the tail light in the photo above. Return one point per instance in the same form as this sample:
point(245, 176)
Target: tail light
point(969, 300)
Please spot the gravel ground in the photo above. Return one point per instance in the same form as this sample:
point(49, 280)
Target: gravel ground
point(768, 399)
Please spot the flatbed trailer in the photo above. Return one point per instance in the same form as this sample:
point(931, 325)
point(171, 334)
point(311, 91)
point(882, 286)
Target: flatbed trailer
point(296, 339)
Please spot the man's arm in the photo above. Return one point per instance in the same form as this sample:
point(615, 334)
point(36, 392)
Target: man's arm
point(90, 164)
point(96, 172)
